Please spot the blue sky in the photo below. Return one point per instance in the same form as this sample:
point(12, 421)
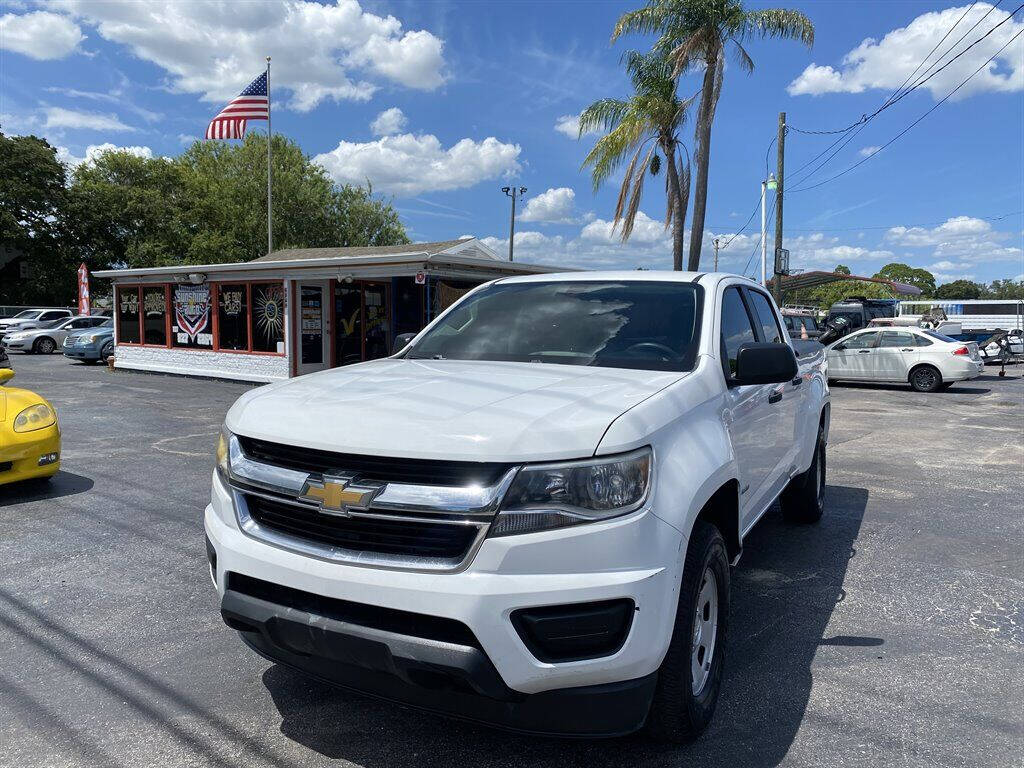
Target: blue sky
point(439, 104)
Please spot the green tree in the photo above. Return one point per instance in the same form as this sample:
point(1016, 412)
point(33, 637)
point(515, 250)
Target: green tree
point(1005, 289)
point(649, 120)
point(904, 273)
point(31, 199)
point(842, 269)
point(826, 295)
point(696, 33)
point(959, 289)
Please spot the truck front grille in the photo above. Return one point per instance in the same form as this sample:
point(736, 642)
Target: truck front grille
point(386, 469)
point(399, 537)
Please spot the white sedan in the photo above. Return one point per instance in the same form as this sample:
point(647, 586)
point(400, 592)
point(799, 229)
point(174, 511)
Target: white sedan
point(924, 358)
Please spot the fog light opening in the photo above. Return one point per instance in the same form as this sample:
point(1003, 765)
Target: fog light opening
point(48, 458)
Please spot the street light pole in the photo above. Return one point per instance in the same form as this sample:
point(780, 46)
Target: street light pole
point(512, 192)
point(769, 183)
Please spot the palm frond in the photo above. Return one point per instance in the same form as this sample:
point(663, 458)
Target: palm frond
point(634, 204)
point(627, 177)
point(642, 21)
point(603, 114)
point(609, 151)
point(742, 57)
point(781, 23)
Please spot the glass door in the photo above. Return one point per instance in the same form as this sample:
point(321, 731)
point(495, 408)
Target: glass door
point(376, 316)
point(313, 352)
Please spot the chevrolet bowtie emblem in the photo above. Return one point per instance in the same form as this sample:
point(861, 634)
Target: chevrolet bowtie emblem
point(339, 495)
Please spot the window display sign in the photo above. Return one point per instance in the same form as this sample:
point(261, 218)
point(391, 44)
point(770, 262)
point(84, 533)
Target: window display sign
point(192, 316)
point(268, 313)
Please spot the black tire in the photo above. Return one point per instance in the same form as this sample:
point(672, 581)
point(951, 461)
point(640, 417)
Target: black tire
point(803, 501)
point(107, 351)
point(44, 346)
point(677, 713)
point(925, 378)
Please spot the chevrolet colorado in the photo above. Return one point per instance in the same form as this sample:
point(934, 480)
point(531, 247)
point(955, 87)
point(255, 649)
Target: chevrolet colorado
point(527, 516)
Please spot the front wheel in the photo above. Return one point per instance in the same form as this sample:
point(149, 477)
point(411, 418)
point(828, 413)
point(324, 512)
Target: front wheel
point(690, 676)
point(925, 378)
point(45, 346)
point(107, 351)
point(803, 501)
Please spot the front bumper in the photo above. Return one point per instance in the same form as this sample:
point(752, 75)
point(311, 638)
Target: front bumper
point(82, 352)
point(493, 677)
point(21, 451)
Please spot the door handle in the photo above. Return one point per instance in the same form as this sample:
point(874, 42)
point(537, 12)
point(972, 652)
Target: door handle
point(797, 381)
point(864, 352)
point(906, 349)
point(775, 396)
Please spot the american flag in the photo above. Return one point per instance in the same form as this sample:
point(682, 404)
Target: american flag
point(251, 104)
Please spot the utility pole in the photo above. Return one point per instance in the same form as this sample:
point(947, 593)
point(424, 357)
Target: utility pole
point(779, 176)
point(715, 241)
point(512, 192)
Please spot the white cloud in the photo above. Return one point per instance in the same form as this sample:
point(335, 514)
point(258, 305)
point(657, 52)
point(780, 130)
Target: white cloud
point(868, 151)
point(93, 151)
point(569, 125)
point(645, 230)
point(552, 207)
point(388, 122)
point(958, 238)
point(887, 63)
point(39, 35)
point(406, 164)
point(59, 118)
point(215, 49)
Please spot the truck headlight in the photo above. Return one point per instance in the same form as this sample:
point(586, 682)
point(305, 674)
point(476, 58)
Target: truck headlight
point(224, 453)
point(546, 496)
point(34, 417)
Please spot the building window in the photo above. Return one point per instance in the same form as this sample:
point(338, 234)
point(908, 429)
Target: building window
point(128, 316)
point(154, 304)
point(233, 317)
point(267, 310)
point(191, 328)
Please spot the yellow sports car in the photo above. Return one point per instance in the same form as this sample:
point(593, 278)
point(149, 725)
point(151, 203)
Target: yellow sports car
point(29, 434)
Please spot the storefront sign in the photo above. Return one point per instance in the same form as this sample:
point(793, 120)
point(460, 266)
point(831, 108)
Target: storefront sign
point(192, 314)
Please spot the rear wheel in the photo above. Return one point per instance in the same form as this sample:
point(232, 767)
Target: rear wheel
point(803, 501)
point(44, 346)
point(925, 378)
point(691, 674)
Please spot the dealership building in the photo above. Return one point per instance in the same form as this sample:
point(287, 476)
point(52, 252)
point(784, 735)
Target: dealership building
point(293, 311)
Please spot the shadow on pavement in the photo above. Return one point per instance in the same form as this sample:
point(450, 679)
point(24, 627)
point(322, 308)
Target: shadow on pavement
point(61, 484)
point(784, 591)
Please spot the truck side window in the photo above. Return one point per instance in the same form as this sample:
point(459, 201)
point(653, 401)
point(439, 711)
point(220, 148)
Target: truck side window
point(770, 330)
point(737, 329)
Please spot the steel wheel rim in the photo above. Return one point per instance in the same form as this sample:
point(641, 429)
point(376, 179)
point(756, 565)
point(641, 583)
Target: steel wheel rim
point(705, 632)
point(925, 378)
point(46, 347)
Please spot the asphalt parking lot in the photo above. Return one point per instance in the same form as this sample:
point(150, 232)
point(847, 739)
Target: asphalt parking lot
point(892, 633)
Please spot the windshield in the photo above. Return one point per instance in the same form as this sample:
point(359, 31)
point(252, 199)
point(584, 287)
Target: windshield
point(28, 314)
point(645, 325)
point(52, 323)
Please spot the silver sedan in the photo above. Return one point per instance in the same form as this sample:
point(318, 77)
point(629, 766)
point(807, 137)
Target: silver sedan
point(50, 336)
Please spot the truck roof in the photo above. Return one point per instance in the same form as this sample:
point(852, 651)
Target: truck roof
point(633, 275)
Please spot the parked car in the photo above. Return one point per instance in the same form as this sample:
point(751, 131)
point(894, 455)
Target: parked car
point(925, 359)
point(801, 324)
point(32, 318)
point(48, 337)
point(527, 516)
point(92, 344)
point(29, 434)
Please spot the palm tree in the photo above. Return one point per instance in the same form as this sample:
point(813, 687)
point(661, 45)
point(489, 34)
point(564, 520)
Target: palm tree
point(648, 120)
point(695, 34)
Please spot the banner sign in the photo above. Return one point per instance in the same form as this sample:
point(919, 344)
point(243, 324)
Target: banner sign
point(192, 313)
point(83, 290)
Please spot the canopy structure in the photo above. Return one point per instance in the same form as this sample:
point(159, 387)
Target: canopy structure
point(815, 278)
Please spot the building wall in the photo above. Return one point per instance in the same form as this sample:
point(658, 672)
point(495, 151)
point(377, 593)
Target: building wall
point(198, 362)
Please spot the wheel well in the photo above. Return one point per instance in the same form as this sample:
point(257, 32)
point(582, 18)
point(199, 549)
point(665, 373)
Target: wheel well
point(722, 510)
point(919, 366)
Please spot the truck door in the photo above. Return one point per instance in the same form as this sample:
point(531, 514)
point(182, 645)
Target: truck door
point(783, 400)
point(749, 419)
point(894, 356)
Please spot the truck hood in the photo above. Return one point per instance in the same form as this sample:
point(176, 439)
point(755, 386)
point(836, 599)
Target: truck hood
point(447, 409)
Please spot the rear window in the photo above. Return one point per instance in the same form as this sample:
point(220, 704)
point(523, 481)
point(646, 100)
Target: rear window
point(647, 325)
point(939, 336)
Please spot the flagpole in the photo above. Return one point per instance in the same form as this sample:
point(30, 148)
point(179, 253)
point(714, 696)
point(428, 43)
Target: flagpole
point(270, 208)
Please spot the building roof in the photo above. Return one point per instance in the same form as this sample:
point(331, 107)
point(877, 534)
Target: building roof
point(356, 251)
point(467, 255)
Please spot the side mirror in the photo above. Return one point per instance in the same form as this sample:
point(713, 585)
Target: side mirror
point(765, 364)
point(6, 374)
point(401, 342)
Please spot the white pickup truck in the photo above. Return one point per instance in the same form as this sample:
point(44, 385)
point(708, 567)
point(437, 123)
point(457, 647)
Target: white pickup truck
point(527, 516)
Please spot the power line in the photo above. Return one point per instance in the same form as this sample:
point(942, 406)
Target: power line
point(918, 120)
point(889, 226)
point(760, 239)
point(892, 99)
